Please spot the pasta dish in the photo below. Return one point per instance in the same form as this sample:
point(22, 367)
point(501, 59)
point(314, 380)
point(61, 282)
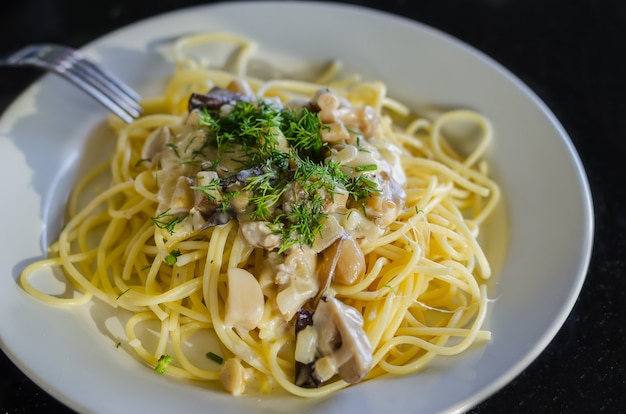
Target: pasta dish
point(303, 235)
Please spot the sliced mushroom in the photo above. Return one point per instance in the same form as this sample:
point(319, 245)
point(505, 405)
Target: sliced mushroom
point(306, 346)
point(363, 118)
point(259, 234)
point(218, 218)
point(294, 194)
point(342, 345)
point(343, 340)
point(350, 263)
point(209, 181)
point(244, 305)
point(240, 178)
point(384, 208)
point(215, 99)
point(154, 144)
point(241, 87)
point(182, 197)
point(207, 198)
point(335, 132)
point(295, 294)
point(298, 278)
point(342, 262)
point(233, 376)
point(330, 231)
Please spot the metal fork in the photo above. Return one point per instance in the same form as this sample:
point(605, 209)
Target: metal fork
point(72, 65)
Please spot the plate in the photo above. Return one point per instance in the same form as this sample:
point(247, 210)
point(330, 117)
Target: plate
point(53, 133)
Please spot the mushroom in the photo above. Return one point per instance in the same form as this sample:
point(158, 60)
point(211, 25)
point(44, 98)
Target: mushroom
point(364, 118)
point(218, 218)
point(241, 177)
point(245, 302)
point(297, 275)
point(241, 87)
point(215, 99)
point(212, 210)
point(331, 230)
point(259, 234)
point(342, 345)
point(207, 194)
point(154, 144)
point(233, 376)
point(343, 262)
point(383, 209)
point(306, 349)
point(182, 197)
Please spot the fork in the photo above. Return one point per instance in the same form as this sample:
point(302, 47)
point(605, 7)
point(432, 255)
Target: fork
point(72, 65)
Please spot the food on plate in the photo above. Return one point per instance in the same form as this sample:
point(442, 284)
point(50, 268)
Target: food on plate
point(296, 234)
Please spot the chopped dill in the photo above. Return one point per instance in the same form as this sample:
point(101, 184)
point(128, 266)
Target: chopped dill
point(167, 221)
point(174, 148)
point(301, 225)
point(209, 190)
point(120, 295)
point(361, 187)
point(284, 150)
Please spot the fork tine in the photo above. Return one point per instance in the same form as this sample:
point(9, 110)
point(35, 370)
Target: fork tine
point(88, 76)
point(104, 81)
point(90, 73)
point(106, 78)
point(105, 74)
point(101, 96)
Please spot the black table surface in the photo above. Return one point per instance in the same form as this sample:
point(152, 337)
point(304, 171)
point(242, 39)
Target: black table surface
point(571, 53)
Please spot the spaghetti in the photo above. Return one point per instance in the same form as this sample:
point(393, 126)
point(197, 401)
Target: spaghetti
point(317, 230)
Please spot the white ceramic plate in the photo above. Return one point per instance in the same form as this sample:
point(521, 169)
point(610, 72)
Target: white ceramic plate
point(53, 132)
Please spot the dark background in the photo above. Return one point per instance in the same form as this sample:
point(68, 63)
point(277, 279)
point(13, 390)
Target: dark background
point(571, 53)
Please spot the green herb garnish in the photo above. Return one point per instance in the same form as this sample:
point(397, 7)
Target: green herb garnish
point(301, 225)
point(167, 221)
point(171, 258)
point(209, 190)
point(120, 295)
point(214, 357)
point(362, 187)
point(163, 362)
point(368, 167)
point(303, 132)
point(283, 150)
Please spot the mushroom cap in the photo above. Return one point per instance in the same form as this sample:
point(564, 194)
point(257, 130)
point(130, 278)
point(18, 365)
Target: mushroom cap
point(245, 302)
